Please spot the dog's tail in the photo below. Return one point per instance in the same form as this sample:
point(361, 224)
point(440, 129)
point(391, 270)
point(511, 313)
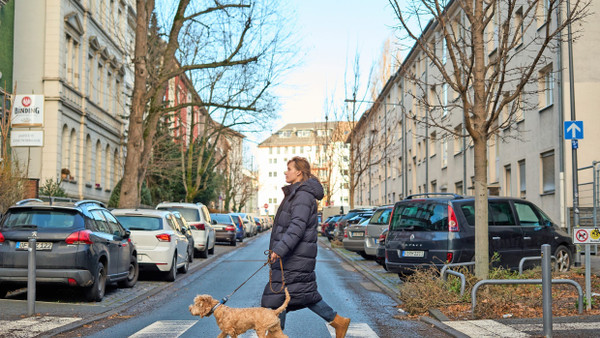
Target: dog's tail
point(285, 303)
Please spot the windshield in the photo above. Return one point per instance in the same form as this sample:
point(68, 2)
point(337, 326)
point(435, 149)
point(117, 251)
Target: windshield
point(221, 218)
point(140, 222)
point(190, 215)
point(381, 217)
point(47, 219)
point(420, 216)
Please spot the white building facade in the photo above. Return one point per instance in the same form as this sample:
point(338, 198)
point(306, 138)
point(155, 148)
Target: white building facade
point(327, 154)
point(77, 53)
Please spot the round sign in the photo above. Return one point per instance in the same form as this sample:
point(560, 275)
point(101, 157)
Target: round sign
point(26, 101)
point(266, 206)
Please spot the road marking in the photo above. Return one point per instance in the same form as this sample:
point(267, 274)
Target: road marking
point(485, 328)
point(165, 328)
point(32, 326)
point(362, 330)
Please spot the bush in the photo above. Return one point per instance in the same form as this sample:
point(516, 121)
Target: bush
point(12, 185)
point(52, 188)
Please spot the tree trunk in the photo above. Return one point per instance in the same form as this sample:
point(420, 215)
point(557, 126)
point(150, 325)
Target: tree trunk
point(133, 173)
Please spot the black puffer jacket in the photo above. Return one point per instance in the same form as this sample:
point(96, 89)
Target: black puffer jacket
point(294, 239)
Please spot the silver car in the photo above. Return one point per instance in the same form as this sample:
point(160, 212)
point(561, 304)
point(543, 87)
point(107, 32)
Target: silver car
point(379, 222)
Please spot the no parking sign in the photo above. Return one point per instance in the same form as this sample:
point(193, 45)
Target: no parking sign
point(586, 236)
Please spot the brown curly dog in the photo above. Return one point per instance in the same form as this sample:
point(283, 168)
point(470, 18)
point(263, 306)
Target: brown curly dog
point(234, 322)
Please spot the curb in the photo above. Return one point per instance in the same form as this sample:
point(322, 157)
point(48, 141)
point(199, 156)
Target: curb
point(443, 327)
point(138, 299)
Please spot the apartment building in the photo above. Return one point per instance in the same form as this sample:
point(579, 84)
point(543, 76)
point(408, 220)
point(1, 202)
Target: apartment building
point(322, 143)
point(527, 158)
point(75, 54)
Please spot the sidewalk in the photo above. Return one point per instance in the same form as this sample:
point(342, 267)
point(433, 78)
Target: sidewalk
point(579, 326)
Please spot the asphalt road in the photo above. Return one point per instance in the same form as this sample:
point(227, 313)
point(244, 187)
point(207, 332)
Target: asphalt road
point(166, 314)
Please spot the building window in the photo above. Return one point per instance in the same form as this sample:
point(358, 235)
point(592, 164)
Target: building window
point(270, 200)
point(432, 144)
point(278, 150)
point(270, 151)
point(444, 151)
point(507, 179)
point(434, 186)
point(522, 179)
point(270, 174)
point(458, 187)
point(519, 25)
point(548, 185)
point(445, 99)
point(546, 87)
point(457, 139)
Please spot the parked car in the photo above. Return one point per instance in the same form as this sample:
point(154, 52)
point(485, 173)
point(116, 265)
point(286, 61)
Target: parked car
point(225, 228)
point(161, 243)
point(259, 224)
point(342, 223)
point(428, 230)
point(330, 226)
point(249, 224)
point(198, 218)
point(187, 231)
point(78, 244)
point(354, 236)
point(239, 224)
point(380, 252)
point(324, 225)
point(377, 224)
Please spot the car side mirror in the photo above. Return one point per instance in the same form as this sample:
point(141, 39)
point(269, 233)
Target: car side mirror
point(212, 221)
point(127, 234)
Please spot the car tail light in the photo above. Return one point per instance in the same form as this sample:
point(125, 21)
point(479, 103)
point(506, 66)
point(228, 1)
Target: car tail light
point(382, 238)
point(1, 237)
point(72, 282)
point(230, 228)
point(163, 237)
point(346, 233)
point(200, 226)
point(449, 257)
point(79, 237)
point(452, 223)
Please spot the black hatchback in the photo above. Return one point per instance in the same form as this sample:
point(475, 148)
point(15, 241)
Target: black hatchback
point(428, 230)
point(78, 244)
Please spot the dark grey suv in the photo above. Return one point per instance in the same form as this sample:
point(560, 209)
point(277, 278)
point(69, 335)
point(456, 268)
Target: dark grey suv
point(428, 230)
point(78, 244)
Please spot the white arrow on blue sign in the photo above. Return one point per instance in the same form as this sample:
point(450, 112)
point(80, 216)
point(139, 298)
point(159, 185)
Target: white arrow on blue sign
point(573, 130)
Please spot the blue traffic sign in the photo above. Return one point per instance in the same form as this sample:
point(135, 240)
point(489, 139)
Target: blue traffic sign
point(573, 130)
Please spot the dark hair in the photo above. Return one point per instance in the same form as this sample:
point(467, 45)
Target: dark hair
point(302, 165)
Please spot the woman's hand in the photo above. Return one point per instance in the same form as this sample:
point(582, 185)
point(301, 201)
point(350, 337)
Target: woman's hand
point(274, 257)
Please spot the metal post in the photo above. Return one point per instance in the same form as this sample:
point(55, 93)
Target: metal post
point(31, 278)
point(573, 149)
point(547, 290)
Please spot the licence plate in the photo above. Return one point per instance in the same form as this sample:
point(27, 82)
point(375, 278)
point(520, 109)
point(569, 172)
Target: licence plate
point(38, 245)
point(358, 234)
point(413, 253)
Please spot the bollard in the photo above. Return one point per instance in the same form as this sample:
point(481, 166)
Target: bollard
point(31, 277)
point(547, 290)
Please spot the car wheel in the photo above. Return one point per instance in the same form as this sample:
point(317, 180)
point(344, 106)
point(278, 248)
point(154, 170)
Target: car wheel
point(132, 275)
point(563, 258)
point(95, 293)
point(242, 239)
point(203, 253)
point(233, 243)
point(172, 274)
point(3, 291)
point(191, 254)
point(211, 251)
point(185, 267)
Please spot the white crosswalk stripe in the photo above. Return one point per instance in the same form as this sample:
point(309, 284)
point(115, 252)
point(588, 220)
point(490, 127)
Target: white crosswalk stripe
point(165, 328)
point(357, 330)
point(32, 326)
point(175, 328)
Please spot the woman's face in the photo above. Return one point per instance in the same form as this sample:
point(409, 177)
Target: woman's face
point(292, 175)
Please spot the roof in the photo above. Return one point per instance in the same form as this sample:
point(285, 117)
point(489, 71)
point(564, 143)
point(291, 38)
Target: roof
point(140, 212)
point(294, 139)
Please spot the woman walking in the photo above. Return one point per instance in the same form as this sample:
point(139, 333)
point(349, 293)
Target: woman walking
point(294, 242)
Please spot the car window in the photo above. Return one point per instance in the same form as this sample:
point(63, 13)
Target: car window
point(420, 216)
point(146, 223)
point(100, 221)
point(381, 216)
point(190, 214)
point(171, 222)
point(527, 216)
point(55, 219)
point(113, 225)
point(222, 218)
point(499, 213)
point(206, 214)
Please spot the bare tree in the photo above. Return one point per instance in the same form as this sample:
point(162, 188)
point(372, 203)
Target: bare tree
point(490, 53)
point(227, 48)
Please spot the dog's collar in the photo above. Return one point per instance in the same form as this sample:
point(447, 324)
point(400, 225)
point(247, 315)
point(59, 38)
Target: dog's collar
point(222, 301)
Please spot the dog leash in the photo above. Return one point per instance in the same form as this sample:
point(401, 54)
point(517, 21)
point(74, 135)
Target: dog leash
point(226, 298)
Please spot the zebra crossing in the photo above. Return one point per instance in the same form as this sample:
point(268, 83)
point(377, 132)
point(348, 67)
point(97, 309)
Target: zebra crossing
point(32, 326)
point(176, 328)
